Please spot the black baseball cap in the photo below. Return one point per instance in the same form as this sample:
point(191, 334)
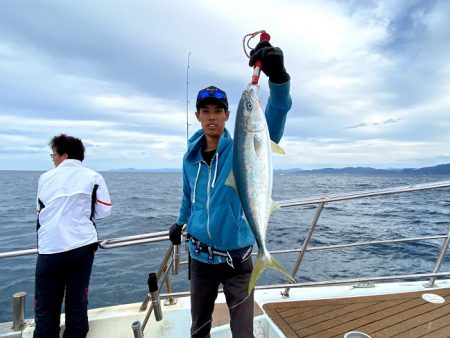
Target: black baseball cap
point(212, 95)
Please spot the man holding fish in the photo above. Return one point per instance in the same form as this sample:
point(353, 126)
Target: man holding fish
point(217, 177)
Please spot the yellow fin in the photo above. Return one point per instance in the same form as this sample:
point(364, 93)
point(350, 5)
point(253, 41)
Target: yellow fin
point(231, 180)
point(261, 264)
point(277, 149)
point(257, 144)
point(273, 207)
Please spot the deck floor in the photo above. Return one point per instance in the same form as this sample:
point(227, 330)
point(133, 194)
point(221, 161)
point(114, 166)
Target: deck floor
point(221, 315)
point(398, 315)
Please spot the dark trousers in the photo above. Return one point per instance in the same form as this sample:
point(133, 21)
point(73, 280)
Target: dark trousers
point(205, 281)
point(66, 272)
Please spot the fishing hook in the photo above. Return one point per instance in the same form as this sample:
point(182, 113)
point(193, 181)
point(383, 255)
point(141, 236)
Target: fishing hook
point(258, 64)
point(249, 36)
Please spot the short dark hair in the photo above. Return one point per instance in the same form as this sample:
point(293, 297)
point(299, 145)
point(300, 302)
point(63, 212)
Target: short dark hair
point(69, 145)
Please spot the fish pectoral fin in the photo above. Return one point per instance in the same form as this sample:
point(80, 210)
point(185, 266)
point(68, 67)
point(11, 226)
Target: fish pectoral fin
point(231, 181)
point(257, 144)
point(277, 149)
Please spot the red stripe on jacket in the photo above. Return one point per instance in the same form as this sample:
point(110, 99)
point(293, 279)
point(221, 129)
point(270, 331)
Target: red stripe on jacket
point(105, 203)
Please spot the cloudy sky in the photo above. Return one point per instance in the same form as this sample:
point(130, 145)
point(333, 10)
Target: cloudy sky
point(370, 79)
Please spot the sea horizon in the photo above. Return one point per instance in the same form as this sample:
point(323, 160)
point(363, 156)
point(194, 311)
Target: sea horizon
point(440, 169)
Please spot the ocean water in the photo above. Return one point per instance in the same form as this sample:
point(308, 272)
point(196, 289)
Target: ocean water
point(149, 202)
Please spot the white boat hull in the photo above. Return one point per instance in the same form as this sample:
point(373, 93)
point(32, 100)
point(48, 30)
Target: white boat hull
point(116, 321)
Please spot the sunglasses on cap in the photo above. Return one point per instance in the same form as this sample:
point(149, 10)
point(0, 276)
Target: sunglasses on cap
point(211, 92)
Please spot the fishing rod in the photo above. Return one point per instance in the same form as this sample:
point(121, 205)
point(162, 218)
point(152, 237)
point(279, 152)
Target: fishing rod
point(258, 64)
point(187, 98)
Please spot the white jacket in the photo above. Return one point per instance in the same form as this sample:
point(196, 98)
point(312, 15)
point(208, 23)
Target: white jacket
point(66, 193)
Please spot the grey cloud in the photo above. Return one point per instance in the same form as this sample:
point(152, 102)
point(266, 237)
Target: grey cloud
point(39, 146)
point(415, 74)
point(114, 42)
point(362, 125)
point(391, 121)
point(20, 151)
point(359, 125)
point(55, 55)
point(408, 25)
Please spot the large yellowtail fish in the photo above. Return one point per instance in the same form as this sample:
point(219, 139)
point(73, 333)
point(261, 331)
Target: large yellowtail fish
point(253, 174)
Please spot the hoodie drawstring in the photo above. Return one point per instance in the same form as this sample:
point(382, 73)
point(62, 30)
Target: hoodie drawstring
point(215, 171)
point(198, 174)
point(196, 179)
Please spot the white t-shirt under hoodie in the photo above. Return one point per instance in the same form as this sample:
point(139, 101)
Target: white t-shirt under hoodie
point(66, 192)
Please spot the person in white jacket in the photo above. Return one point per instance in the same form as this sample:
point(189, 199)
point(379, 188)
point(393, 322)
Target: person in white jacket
point(70, 197)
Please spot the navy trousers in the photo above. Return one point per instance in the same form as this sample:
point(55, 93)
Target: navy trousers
point(205, 281)
point(58, 274)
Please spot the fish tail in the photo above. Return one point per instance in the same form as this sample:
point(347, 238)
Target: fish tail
point(262, 263)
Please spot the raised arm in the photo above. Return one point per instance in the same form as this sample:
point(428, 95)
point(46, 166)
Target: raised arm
point(280, 101)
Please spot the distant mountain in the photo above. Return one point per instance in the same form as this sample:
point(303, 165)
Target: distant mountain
point(441, 169)
point(133, 170)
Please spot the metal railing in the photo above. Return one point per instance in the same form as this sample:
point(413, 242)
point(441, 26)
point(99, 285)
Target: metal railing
point(168, 261)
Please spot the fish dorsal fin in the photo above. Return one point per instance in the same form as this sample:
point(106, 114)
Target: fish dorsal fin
point(231, 181)
point(277, 149)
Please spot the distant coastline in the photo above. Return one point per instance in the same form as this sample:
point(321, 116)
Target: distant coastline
point(159, 170)
point(441, 169)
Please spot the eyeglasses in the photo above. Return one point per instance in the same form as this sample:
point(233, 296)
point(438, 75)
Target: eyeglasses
point(211, 92)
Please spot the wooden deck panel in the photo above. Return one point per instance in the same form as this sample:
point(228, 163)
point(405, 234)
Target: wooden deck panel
point(305, 312)
point(443, 332)
point(309, 312)
point(418, 330)
point(347, 320)
point(384, 317)
point(398, 315)
point(326, 319)
point(404, 320)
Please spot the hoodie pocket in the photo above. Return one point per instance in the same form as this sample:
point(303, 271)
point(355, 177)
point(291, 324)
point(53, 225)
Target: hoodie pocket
point(224, 227)
point(197, 224)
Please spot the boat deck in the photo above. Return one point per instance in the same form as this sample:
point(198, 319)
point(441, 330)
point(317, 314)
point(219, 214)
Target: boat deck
point(221, 315)
point(397, 315)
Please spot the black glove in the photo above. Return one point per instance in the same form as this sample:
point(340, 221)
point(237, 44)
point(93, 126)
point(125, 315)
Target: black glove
point(272, 60)
point(175, 233)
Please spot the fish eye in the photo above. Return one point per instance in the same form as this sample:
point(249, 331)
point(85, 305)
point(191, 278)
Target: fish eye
point(249, 105)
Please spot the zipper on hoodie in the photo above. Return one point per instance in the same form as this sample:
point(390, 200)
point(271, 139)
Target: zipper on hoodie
point(208, 191)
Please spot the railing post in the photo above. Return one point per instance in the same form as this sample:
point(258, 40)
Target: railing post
point(162, 269)
point(285, 293)
point(156, 302)
point(19, 310)
point(440, 260)
point(176, 259)
point(170, 299)
point(137, 329)
point(177, 253)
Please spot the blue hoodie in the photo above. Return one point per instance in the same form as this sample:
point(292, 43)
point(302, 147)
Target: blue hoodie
point(212, 209)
